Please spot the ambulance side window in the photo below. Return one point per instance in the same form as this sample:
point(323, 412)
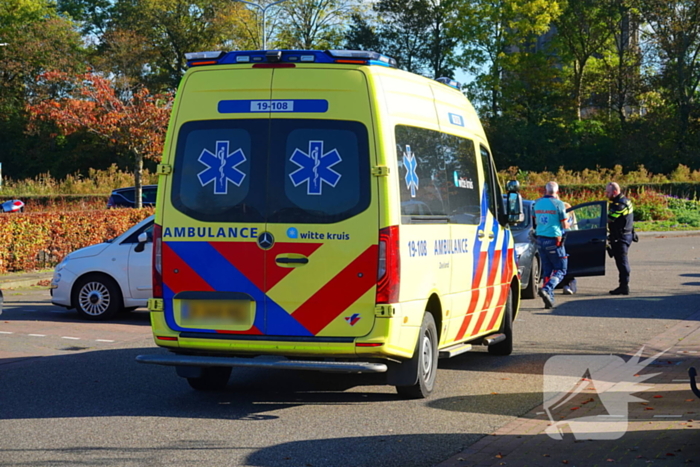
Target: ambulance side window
point(460, 159)
point(437, 177)
point(491, 187)
point(422, 174)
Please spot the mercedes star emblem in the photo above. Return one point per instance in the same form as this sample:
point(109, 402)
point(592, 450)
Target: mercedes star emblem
point(266, 240)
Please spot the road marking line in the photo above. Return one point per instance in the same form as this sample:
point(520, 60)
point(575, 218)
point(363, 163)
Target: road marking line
point(668, 416)
point(72, 338)
point(6, 332)
point(37, 335)
point(687, 351)
point(680, 381)
point(103, 340)
point(611, 416)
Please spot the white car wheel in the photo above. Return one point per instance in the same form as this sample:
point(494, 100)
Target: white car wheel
point(97, 297)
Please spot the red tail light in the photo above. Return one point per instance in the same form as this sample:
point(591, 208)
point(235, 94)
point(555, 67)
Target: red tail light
point(389, 266)
point(157, 261)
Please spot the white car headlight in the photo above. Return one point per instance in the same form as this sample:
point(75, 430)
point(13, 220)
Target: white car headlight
point(62, 264)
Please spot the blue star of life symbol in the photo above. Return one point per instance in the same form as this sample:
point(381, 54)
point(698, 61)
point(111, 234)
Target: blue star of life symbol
point(221, 167)
point(409, 161)
point(315, 168)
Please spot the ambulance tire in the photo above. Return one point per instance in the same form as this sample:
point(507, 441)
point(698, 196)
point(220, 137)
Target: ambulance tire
point(424, 362)
point(505, 347)
point(530, 291)
point(214, 378)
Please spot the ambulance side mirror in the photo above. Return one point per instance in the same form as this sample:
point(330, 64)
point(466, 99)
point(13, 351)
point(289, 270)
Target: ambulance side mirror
point(514, 203)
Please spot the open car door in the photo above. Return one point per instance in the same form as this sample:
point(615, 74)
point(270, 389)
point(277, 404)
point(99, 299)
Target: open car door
point(585, 242)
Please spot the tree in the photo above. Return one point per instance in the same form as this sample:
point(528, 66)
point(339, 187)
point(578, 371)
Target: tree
point(362, 34)
point(134, 121)
point(674, 27)
point(584, 31)
point(37, 39)
point(172, 28)
point(489, 30)
point(314, 24)
point(414, 33)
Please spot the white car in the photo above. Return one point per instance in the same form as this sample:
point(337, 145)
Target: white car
point(101, 280)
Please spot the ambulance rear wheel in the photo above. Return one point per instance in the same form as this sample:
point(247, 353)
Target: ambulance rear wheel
point(505, 347)
point(425, 361)
point(214, 378)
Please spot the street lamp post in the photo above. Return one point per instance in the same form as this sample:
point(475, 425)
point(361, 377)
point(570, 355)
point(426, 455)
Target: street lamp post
point(264, 9)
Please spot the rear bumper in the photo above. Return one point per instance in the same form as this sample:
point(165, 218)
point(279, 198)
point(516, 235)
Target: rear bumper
point(209, 361)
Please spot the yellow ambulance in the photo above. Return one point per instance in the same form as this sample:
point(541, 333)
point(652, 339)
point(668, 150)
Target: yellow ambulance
point(324, 210)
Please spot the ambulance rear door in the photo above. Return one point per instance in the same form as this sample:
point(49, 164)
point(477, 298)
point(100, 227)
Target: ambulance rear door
point(322, 223)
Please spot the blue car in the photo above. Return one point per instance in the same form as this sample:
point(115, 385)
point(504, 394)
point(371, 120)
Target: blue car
point(125, 197)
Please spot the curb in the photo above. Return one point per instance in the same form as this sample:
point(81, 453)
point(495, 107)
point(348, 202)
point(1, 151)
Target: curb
point(671, 233)
point(24, 280)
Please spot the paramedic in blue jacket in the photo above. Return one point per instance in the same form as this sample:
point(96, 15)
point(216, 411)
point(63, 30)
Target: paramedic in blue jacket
point(551, 221)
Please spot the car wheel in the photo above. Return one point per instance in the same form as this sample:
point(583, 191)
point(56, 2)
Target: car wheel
point(505, 347)
point(97, 297)
point(214, 378)
point(534, 280)
point(425, 361)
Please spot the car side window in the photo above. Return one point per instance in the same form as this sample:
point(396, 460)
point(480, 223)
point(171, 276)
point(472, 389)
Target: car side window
point(588, 217)
point(134, 237)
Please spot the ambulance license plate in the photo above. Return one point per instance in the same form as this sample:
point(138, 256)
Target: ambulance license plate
point(216, 312)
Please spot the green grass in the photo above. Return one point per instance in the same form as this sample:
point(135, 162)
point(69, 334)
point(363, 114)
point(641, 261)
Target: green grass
point(662, 226)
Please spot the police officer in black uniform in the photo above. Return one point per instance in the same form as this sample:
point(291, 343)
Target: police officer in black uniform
point(620, 234)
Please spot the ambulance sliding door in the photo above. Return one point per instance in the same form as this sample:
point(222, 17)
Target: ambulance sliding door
point(465, 219)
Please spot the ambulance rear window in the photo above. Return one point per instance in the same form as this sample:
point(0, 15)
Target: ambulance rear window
point(278, 170)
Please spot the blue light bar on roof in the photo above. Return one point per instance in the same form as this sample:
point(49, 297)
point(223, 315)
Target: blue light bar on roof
point(363, 55)
point(213, 55)
point(293, 56)
point(450, 82)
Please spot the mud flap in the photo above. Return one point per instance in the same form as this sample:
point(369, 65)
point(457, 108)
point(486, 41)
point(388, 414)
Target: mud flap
point(189, 371)
point(402, 374)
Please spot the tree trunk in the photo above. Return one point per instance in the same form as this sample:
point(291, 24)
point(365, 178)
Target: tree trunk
point(138, 192)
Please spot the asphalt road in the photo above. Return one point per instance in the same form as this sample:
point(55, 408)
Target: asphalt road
point(72, 394)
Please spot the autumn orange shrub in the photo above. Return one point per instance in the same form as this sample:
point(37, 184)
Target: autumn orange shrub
point(31, 241)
